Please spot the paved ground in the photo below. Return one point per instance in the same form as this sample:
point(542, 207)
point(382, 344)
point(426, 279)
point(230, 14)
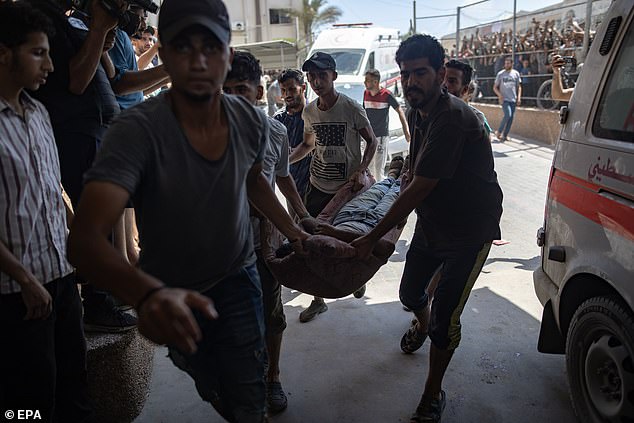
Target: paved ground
point(346, 366)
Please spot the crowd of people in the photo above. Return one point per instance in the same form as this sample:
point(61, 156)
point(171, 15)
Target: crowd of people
point(194, 167)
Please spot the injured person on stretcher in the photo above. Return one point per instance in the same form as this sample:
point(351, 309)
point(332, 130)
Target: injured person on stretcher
point(331, 268)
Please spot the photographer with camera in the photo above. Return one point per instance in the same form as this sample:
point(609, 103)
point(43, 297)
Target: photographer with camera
point(558, 92)
point(129, 82)
point(81, 105)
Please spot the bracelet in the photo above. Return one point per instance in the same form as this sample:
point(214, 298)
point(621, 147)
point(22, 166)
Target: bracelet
point(148, 295)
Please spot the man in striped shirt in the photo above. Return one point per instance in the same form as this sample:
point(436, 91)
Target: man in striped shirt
point(43, 357)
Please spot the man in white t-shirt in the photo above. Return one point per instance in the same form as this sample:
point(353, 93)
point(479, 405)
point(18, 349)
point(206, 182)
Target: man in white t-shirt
point(333, 127)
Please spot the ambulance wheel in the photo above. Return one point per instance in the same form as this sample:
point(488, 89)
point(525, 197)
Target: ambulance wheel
point(600, 361)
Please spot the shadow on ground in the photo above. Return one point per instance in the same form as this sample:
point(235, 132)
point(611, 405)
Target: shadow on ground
point(346, 366)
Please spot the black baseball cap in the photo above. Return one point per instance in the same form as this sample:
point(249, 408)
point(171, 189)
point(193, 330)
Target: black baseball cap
point(319, 60)
point(177, 15)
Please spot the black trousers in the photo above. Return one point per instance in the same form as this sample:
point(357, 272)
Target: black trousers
point(43, 362)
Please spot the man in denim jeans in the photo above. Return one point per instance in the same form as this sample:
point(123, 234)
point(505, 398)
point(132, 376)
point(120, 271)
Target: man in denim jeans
point(508, 88)
point(192, 155)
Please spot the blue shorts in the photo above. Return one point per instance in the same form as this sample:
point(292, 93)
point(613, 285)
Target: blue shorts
point(461, 267)
point(228, 367)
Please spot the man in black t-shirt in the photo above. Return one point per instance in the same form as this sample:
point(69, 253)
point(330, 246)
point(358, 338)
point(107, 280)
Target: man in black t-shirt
point(81, 104)
point(458, 203)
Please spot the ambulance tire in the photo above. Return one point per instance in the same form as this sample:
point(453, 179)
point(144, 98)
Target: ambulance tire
point(600, 361)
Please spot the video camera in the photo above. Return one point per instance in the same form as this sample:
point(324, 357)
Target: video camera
point(113, 8)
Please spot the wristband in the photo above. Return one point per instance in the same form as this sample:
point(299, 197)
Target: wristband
point(147, 296)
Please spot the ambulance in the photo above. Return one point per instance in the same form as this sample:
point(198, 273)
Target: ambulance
point(356, 49)
point(586, 277)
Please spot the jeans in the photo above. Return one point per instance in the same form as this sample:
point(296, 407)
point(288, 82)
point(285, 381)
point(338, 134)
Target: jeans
point(43, 362)
point(363, 212)
point(461, 267)
point(228, 367)
point(508, 107)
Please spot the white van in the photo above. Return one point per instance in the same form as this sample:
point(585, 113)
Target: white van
point(356, 49)
point(586, 277)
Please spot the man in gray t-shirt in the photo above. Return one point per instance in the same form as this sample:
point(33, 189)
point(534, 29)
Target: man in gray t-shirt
point(192, 156)
point(333, 127)
point(508, 88)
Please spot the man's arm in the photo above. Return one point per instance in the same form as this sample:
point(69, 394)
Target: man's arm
point(303, 149)
point(558, 92)
point(133, 81)
point(287, 186)
point(147, 57)
point(368, 135)
point(108, 66)
point(37, 300)
point(83, 65)
point(156, 87)
point(262, 197)
point(497, 92)
point(519, 93)
point(417, 190)
point(403, 119)
point(165, 316)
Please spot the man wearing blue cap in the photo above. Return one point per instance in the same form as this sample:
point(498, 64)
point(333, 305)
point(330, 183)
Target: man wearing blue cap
point(192, 155)
point(333, 127)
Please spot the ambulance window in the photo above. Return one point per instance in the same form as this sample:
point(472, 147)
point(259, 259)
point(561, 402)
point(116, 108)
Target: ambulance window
point(615, 115)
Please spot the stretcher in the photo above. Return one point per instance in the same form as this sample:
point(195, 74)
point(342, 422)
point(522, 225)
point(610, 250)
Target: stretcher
point(330, 269)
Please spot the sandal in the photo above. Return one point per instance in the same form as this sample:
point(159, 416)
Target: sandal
point(413, 339)
point(429, 412)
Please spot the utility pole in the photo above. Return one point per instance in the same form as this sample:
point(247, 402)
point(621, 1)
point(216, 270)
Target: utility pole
point(414, 18)
point(457, 32)
point(514, 29)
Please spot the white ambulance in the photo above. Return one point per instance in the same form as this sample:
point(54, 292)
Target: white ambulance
point(356, 49)
point(586, 278)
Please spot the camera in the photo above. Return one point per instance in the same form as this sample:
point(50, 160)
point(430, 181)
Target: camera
point(570, 61)
point(113, 8)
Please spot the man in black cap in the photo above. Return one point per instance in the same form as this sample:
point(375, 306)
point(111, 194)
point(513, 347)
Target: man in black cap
point(333, 127)
point(192, 155)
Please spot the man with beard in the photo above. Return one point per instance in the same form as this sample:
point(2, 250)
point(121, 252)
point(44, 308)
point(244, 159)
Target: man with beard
point(458, 204)
point(293, 92)
point(192, 155)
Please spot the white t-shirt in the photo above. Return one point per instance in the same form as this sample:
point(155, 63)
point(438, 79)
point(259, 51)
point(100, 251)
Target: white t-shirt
point(274, 164)
point(337, 141)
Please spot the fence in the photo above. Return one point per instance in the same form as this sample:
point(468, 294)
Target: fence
point(530, 38)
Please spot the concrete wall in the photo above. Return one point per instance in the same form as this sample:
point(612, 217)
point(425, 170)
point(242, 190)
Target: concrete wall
point(538, 125)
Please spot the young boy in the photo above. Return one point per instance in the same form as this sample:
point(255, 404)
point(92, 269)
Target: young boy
point(43, 358)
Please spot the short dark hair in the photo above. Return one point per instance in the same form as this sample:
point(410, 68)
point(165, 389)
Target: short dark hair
point(149, 30)
point(245, 67)
point(295, 74)
point(18, 19)
point(421, 46)
point(374, 74)
point(465, 68)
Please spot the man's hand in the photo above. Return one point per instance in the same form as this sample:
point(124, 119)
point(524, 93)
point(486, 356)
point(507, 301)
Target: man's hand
point(557, 63)
point(500, 100)
point(166, 317)
point(357, 180)
point(102, 20)
point(37, 300)
point(110, 39)
point(519, 101)
point(297, 243)
point(364, 246)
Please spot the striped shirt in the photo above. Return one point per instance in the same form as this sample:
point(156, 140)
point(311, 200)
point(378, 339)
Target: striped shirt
point(32, 211)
